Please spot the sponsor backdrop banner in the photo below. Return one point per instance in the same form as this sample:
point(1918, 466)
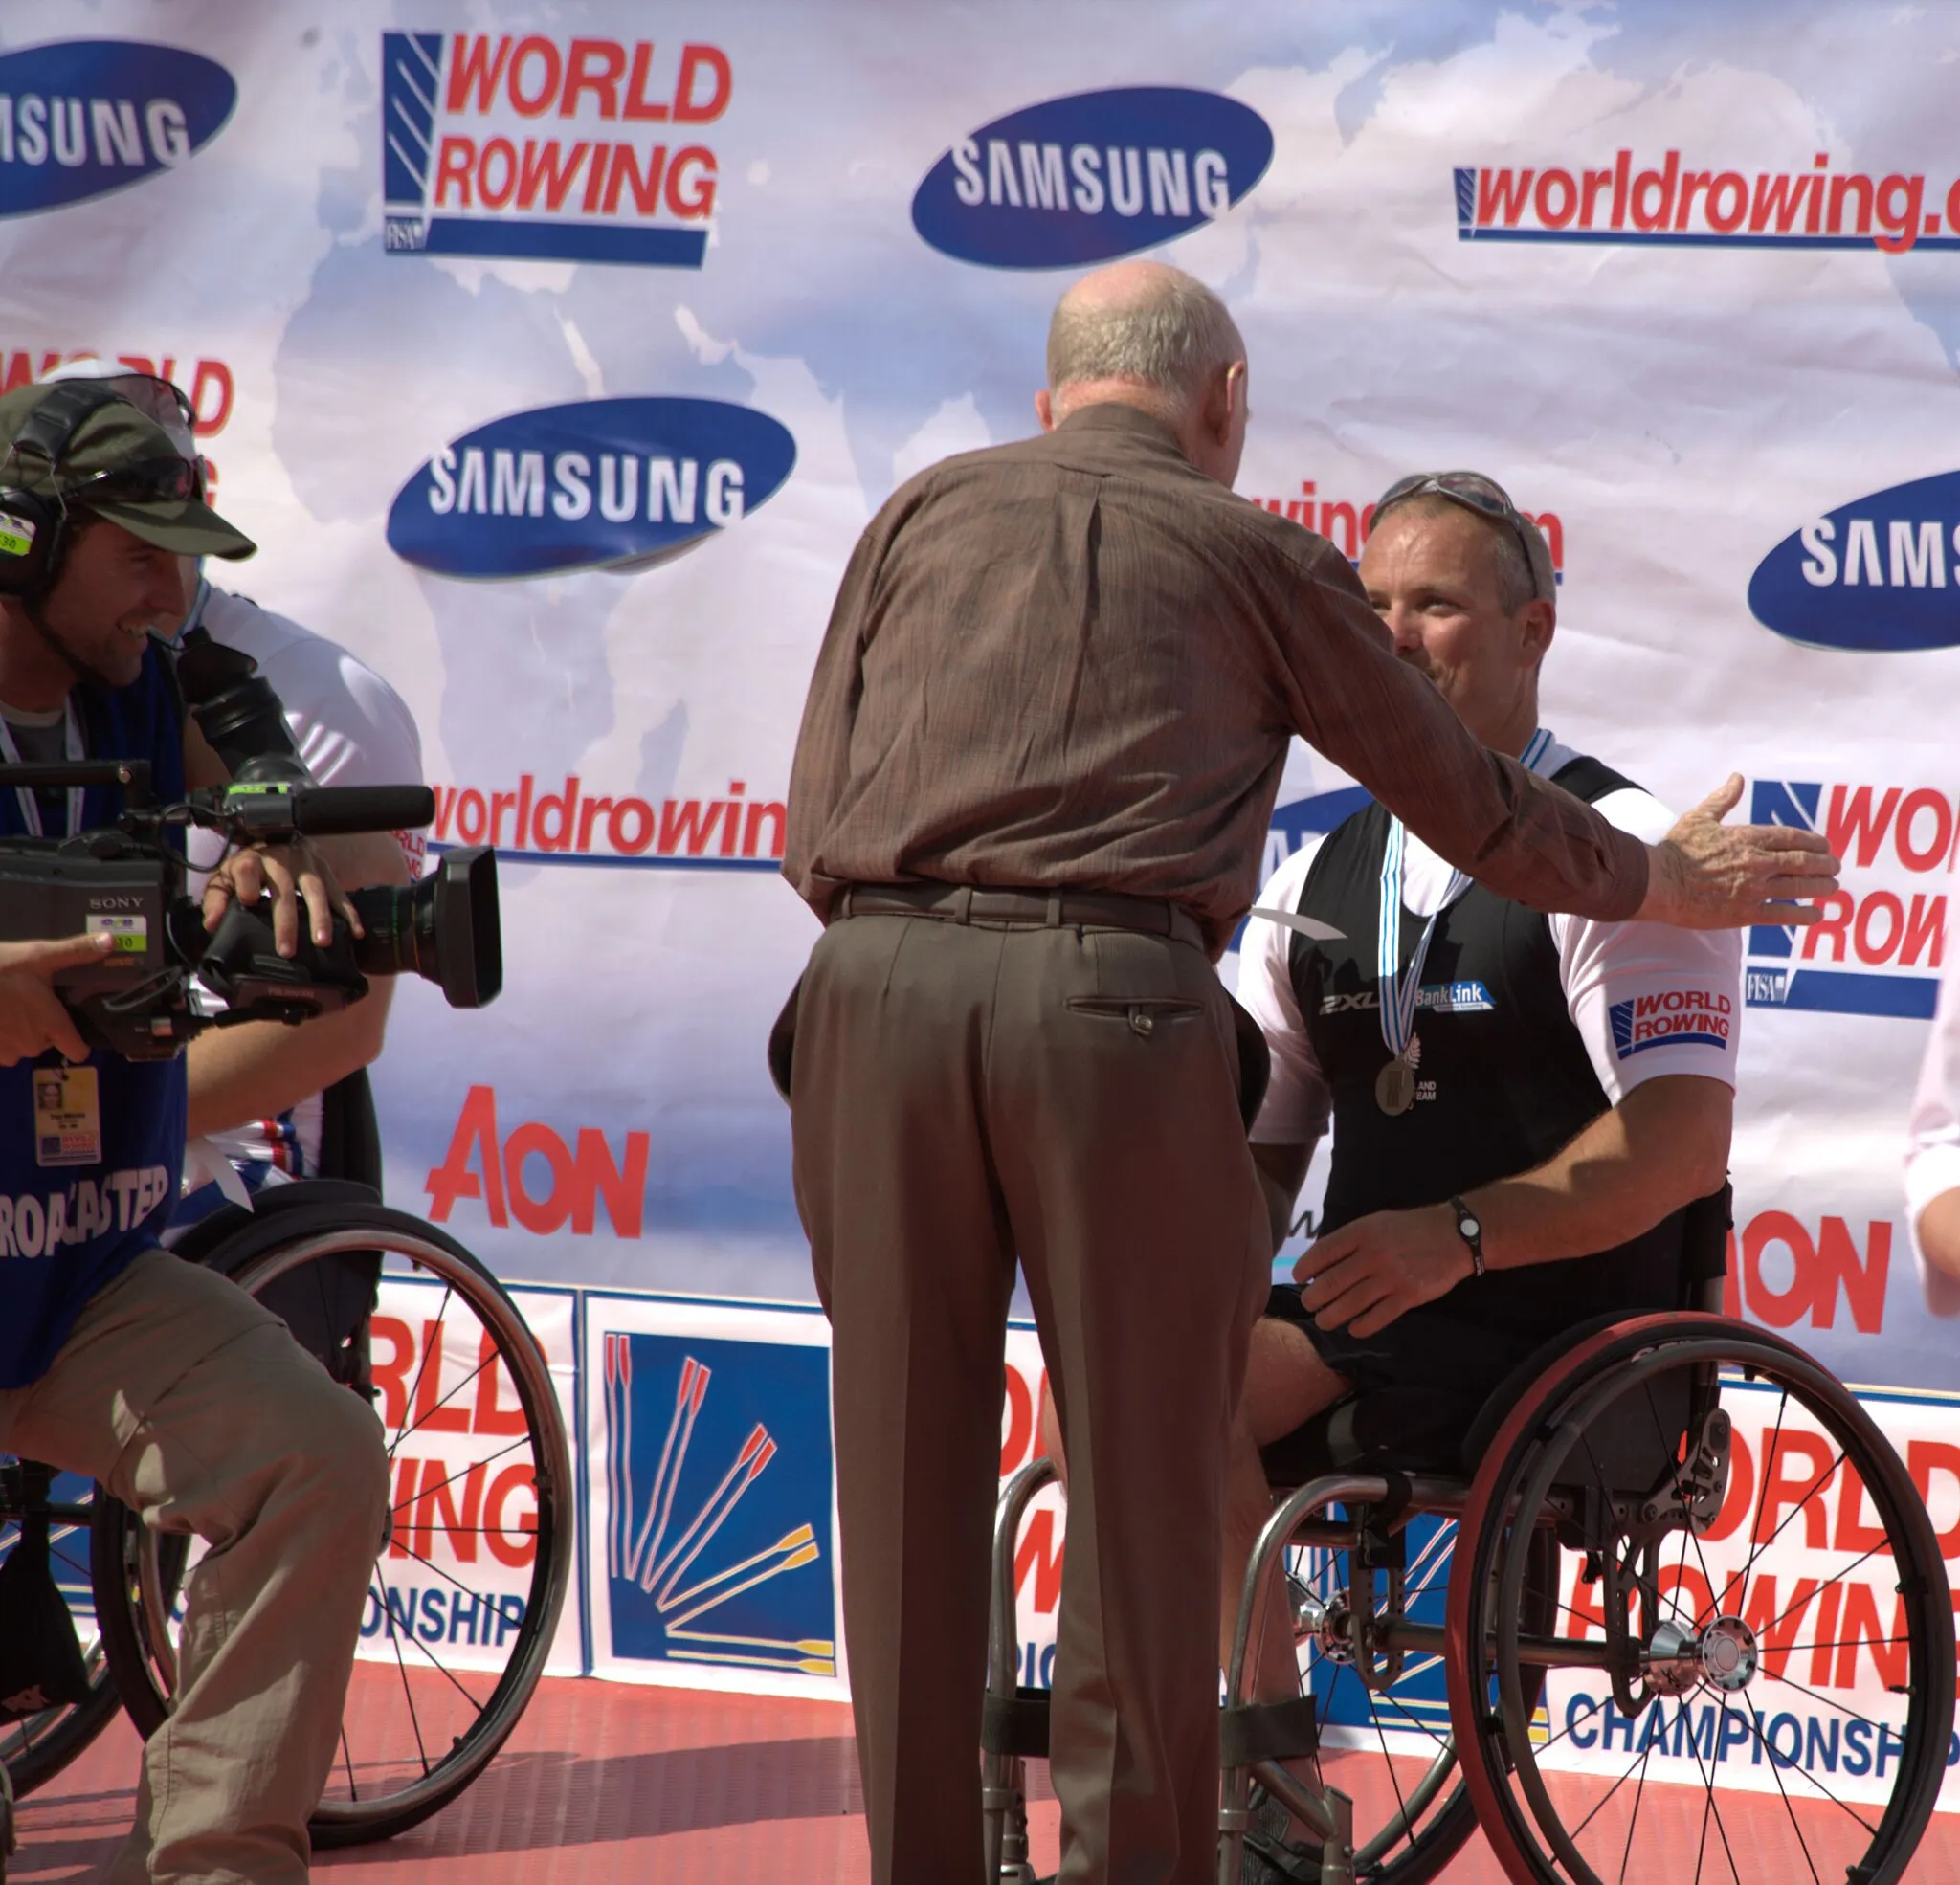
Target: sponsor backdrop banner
point(556, 356)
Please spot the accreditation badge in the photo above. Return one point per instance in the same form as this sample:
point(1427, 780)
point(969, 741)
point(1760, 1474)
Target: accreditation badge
point(68, 1116)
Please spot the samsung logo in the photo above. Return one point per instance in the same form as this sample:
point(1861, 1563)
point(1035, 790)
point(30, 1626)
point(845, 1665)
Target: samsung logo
point(600, 484)
point(1877, 574)
point(89, 115)
point(1090, 177)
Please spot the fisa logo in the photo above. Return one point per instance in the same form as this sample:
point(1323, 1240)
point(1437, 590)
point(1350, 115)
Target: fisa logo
point(1879, 574)
point(1883, 935)
point(619, 484)
point(718, 1503)
point(1091, 177)
point(523, 146)
point(89, 115)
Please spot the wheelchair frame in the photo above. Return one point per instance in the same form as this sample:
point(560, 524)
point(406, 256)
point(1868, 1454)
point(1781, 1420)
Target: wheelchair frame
point(1523, 1505)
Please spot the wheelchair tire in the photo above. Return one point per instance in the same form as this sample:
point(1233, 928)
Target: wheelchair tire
point(39, 1746)
point(404, 1755)
point(1685, 1447)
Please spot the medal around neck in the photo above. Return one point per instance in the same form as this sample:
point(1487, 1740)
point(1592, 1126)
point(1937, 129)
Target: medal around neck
point(1401, 994)
point(1394, 1088)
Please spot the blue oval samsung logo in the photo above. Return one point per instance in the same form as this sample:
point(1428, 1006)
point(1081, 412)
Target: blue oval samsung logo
point(1091, 177)
point(600, 484)
point(89, 115)
point(1879, 575)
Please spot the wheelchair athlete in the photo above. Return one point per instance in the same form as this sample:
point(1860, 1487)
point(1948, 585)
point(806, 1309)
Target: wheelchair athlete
point(1524, 1105)
point(1569, 1085)
point(187, 1399)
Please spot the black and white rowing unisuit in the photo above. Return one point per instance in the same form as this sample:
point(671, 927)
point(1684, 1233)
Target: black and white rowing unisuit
point(1525, 1029)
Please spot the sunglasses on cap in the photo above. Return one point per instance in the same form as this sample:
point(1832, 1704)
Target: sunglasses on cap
point(150, 481)
point(1488, 497)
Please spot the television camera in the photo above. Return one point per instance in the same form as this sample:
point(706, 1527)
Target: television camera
point(128, 880)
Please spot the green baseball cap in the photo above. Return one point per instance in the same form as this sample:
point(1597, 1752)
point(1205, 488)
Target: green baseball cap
point(122, 466)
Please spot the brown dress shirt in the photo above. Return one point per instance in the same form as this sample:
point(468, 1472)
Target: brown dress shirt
point(1075, 662)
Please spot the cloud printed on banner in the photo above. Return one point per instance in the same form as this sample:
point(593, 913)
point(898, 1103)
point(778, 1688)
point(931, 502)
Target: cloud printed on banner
point(1684, 414)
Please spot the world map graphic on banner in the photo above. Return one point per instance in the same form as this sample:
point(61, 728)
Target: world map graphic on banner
point(557, 359)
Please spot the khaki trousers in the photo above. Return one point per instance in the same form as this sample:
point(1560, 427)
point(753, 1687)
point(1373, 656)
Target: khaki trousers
point(194, 1406)
point(963, 1096)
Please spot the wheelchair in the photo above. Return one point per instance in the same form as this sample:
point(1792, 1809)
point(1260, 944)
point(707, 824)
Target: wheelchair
point(472, 1573)
point(1565, 1618)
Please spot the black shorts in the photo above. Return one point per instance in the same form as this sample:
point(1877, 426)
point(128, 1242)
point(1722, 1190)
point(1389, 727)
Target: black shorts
point(1422, 1348)
point(1417, 1388)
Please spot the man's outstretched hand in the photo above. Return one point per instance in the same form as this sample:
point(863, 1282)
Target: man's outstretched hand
point(1706, 875)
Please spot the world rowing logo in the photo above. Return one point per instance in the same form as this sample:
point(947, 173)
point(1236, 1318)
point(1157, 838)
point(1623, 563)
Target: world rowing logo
point(718, 1493)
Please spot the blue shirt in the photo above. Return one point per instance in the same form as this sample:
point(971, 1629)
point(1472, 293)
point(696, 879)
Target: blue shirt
point(66, 1232)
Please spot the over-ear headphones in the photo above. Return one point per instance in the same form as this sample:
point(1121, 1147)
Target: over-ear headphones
point(35, 523)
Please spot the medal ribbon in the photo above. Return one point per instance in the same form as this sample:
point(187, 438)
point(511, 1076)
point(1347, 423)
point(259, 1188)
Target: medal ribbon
point(1399, 997)
point(30, 800)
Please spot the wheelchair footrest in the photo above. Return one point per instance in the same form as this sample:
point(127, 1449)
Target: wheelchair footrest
point(1269, 1731)
point(1016, 1725)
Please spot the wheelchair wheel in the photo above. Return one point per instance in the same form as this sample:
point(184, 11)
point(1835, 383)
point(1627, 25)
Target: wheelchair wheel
point(36, 1746)
point(1389, 1745)
point(1750, 1597)
point(470, 1580)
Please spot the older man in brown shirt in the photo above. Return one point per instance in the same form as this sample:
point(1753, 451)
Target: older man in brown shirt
point(1029, 800)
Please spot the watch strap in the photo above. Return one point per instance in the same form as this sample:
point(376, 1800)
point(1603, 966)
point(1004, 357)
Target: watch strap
point(1471, 1230)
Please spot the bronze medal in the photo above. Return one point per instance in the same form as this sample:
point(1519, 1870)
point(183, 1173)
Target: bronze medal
point(1394, 1088)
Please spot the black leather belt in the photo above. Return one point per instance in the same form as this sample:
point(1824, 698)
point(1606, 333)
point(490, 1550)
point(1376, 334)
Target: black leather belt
point(1058, 909)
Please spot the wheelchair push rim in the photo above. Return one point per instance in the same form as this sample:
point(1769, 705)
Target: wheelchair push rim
point(409, 1745)
point(1750, 1646)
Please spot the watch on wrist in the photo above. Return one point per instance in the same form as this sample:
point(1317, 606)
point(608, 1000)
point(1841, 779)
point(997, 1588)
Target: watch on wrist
point(1471, 1229)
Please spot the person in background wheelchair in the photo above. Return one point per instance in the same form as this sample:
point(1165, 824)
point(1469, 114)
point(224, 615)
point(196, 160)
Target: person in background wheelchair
point(187, 1399)
point(1524, 1105)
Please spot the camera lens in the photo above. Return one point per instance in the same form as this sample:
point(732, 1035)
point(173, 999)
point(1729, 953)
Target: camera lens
point(443, 928)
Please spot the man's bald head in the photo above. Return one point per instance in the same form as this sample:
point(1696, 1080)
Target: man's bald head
point(1146, 335)
point(1153, 326)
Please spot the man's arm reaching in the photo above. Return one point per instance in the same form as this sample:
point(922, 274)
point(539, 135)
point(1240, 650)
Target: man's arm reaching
point(1519, 835)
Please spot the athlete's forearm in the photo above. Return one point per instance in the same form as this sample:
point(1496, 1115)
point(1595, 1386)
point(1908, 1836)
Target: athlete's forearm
point(257, 1070)
point(1662, 1146)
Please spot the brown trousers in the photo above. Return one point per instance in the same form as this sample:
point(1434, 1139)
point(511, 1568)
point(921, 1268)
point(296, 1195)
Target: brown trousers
point(963, 1096)
point(197, 1408)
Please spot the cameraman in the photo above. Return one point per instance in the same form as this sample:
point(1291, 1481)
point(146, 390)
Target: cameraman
point(167, 1383)
point(350, 728)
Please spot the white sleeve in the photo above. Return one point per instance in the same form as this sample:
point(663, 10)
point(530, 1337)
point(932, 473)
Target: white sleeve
point(1932, 1155)
point(1647, 998)
point(355, 729)
point(1298, 1100)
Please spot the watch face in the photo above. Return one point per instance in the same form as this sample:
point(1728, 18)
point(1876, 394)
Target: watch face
point(1469, 1226)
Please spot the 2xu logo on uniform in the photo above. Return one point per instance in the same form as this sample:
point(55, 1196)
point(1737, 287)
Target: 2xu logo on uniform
point(1092, 176)
point(528, 145)
point(620, 484)
point(88, 116)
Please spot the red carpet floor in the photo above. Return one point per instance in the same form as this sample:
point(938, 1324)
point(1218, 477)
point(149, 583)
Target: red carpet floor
point(604, 1783)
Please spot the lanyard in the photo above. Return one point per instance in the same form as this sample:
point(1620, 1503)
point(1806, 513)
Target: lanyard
point(1399, 997)
point(30, 800)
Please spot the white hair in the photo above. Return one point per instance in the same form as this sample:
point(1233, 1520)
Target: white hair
point(1172, 335)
